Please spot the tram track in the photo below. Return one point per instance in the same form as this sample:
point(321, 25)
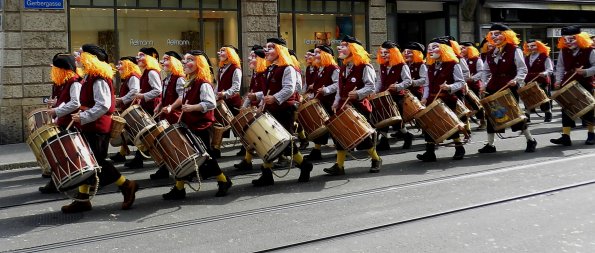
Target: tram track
point(298, 204)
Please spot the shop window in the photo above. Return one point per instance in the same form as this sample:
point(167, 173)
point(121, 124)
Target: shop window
point(103, 2)
point(345, 6)
point(331, 6)
point(148, 3)
point(210, 4)
point(126, 3)
point(94, 26)
point(170, 4)
point(301, 6)
point(286, 28)
point(190, 4)
point(285, 6)
point(80, 2)
point(220, 28)
point(316, 6)
point(229, 4)
point(359, 7)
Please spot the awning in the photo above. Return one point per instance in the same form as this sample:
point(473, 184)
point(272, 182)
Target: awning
point(542, 5)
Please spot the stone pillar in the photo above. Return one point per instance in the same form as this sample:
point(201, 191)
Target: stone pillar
point(31, 38)
point(377, 32)
point(467, 10)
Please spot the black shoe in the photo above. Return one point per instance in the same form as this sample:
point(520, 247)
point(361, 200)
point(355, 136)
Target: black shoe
point(243, 165)
point(242, 151)
point(528, 120)
point(564, 140)
point(265, 179)
point(118, 158)
point(590, 139)
point(459, 152)
point(46, 175)
point(282, 162)
point(375, 168)
point(397, 135)
point(50, 187)
point(78, 206)
point(429, 155)
point(304, 144)
point(128, 189)
point(548, 117)
point(487, 149)
point(223, 187)
point(175, 194)
point(161, 173)
point(407, 140)
point(531, 145)
point(382, 144)
point(215, 153)
point(136, 163)
point(305, 169)
point(335, 170)
point(314, 155)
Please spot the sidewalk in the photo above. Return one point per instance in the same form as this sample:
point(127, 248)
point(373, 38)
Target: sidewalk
point(15, 156)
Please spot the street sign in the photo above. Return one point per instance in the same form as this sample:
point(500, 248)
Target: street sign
point(44, 4)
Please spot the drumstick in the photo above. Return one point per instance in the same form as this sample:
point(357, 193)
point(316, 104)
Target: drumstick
point(347, 100)
point(182, 113)
point(71, 121)
point(157, 115)
point(440, 91)
point(535, 78)
point(263, 102)
point(570, 78)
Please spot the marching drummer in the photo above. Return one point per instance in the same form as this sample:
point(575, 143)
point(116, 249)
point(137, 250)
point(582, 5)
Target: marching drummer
point(324, 89)
point(229, 80)
point(540, 67)
point(577, 56)
point(471, 55)
point(445, 78)
point(171, 98)
point(279, 99)
point(130, 82)
point(356, 81)
point(66, 91)
point(395, 77)
point(198, 105)
point(94, 121)
point(149, 94)
point(505, 66)
point(300, 88)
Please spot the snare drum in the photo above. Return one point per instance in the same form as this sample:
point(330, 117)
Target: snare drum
point(267, 137)
point(384, 110)
point(38, 118)
point(136, 120)
point(223, 115)
point(217, 138)
point(472, 102)
point(574, 99)
point(312, 116)
point(439, 121)
point(145, 140)
point(411, 106)
point(503, 110)
point(461, 109)
point(118, 124)
point(181, 154)
point(532, 95)
point(36, 139)
point(349, 128)
point(70, 158)
point(240, 123)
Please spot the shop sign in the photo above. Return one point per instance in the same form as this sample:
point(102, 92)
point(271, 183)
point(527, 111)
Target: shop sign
point(557, 32)
point(171, 42)
point(136, 42)
point(44, 4)
point(321, 42)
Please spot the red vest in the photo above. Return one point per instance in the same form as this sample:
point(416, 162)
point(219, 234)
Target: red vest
point(390, 76)
point(62, 95)
point(472, 63)
point(414, 70)
point(325, 78)
point(572, 62)
point(273, 84)
point(196, 120)
point(145, 87)
point(257, 82)
point(124, 89)
point(225, 81)
point(504, 70)
point(168, 97)
point(354, 80)
point(443, 75)
point(537, 68)
point(311, 75)
point(104, 123)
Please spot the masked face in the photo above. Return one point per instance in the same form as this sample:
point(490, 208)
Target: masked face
point(166, 63)
point(316, 56)
point(343, 49)
point(570, 41)
point(464, 51)
point(252, 60)
point(498, 37)
point(189, 64)
point(141, 60)
point(384, 54)
point(120, 67)
point(77, 58)
point(434, 49)
point(408, 54)
point(309, 57)
point(222, 54)
point(270, 52)
point(532, 47)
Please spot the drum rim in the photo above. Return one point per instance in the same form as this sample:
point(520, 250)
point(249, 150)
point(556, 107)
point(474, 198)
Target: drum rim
point(380, 94)
point(308, 103)
point(565, 88)
point(435, 103)
point(129, 109)
point(34, 111)
point(64, 132)
point(495, 96)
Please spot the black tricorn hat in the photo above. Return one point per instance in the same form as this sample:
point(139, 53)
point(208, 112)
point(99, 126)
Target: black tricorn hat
point(483, 42)
point(292, 52)
point(467, 44)
point(351, 39)
point(415, 46)
point(64, 61)
point(327, 49)
point(174, 55)
point(278, 41)
point(499, 27)
point(150, 51)
point(570, 30)
point(531, 40)
point(311, 50)
point(129, 58)
point(389, 44)
point(234, 48)
point(258, 51)
point(441, 40)
point(95, 50)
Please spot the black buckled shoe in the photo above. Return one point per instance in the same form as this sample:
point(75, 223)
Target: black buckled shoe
point(78, 206)
point(487, 149)
point(50, 187)
point(314, 155)
point(282, 162)
point(43, 175)
point(376, 164)
point(265, 179)
point(528, 120)
point(548, 117)
point(215, 153)
point(305, 169)
point(590, 139)
point(407, 140)
point(242, 151)
point(304, 144)
point(243, 165)
point(531, 145)
point(161, 173)
point(429, 155)
point(136, 163)
point(459, 152)
point(175, 194)
point(563, 140)
point(335, 170)
point(118, 158)
point(128, 189)
point(223, 187)
point(383, 144)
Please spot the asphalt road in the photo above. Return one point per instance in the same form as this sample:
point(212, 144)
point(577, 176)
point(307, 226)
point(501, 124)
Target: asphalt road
point(509, 201)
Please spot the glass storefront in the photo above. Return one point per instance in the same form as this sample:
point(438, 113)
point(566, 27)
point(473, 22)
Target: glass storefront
point(167, 25)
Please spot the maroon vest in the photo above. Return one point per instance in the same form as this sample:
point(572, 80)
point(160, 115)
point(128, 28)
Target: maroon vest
point(145, 87)
point(503, 71)
point(390, 76)
point(104, 123)
point(168, 97)
point(311, 75)
point(537, 68)
point(438, 77)
point(572, 62)
point(414, 70)
point(273, 84)
point(325, 78)
point(225, 81)
point(124, 89)
point(257, 82)
point(196, 120)
point(472, 63)
point(62, 95)
point(354, 80)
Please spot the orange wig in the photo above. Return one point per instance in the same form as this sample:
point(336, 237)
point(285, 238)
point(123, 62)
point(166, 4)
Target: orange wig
point(60, 76)
point(152, 63)
point(326, 59)
point(359, 55)
point(582, 40)
point(176, 67)
point(455, 47)
point(128, 69)
point(446, 55)
point(541, 48)
point(472, 52)
point(203, 68)
point(395, 57)
point(296, 62)
point(284, 58)
point(418, 56)
point(261, 65)
point(94, 67)
point(232, 58)
point(510, 38)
